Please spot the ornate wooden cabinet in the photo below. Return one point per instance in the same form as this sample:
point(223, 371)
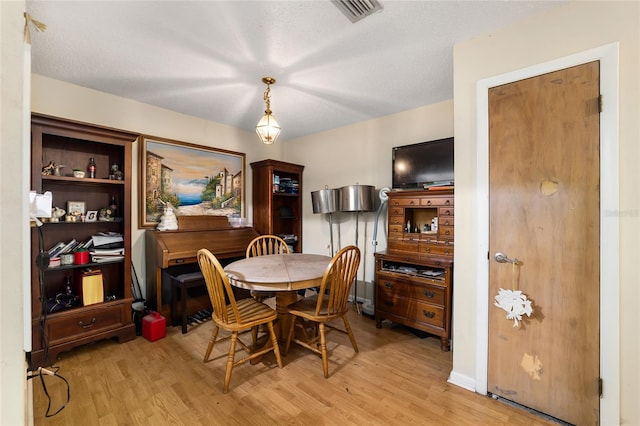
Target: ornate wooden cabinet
point(413, 279)
point(71, 145)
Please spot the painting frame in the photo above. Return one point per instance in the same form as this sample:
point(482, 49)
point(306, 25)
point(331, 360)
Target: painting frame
point(195, 179)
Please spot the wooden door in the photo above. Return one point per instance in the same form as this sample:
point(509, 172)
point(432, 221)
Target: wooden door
point(544, 211)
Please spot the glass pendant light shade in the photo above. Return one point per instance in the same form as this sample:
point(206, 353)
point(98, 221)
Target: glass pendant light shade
point(268, 128)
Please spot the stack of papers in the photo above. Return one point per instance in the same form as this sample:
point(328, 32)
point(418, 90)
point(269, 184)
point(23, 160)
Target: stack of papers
point(107, 247)
point(106, 255)
point(107, 240)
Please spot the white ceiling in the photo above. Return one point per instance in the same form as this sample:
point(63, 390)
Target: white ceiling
point(207, 58)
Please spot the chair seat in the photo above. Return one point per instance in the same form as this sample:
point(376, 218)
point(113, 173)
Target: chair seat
point(251, 312)
point(306, 308)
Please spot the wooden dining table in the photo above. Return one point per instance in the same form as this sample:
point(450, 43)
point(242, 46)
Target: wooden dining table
point(283, 274)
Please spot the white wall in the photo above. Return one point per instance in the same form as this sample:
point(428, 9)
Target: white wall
point(564, 31)
point(14, 214)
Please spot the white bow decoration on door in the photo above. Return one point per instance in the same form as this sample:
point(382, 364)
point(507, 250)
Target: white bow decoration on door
point(514, 302)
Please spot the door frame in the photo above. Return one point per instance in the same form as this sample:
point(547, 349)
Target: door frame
point(609, 221)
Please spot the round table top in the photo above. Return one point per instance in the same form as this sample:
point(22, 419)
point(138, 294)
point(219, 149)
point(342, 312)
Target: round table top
point(278, 272)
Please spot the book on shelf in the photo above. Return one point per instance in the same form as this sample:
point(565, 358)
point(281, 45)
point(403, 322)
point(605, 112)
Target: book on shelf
point(56, 248)
point(68, 246)
point(73, 246)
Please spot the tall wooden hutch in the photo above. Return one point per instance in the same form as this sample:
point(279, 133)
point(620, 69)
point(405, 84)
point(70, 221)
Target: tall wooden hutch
point(72, 144)
point(277, 200)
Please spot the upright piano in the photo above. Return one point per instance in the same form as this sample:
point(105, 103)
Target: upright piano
point(175, 252)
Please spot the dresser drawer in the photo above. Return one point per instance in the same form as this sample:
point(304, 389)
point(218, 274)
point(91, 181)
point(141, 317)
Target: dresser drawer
point(404, 202)
point(445, 232)
point(397, 221)
point(69, 326)
point(396, 211)
point(403, 245)
point(396, 230)
point(436, 249)
point(445, 211)
point(445, 221)
point(437, 201)
point(392, 288)
point(409, 311)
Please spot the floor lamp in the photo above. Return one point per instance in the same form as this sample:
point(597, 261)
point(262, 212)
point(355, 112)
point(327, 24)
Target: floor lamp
point(326, 201)
point(357, 198)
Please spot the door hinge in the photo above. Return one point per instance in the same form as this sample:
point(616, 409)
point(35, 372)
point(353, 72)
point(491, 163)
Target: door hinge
point(600, 387)
point(600, 103)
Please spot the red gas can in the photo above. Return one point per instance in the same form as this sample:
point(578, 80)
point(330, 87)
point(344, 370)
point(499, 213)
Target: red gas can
point(154, 326)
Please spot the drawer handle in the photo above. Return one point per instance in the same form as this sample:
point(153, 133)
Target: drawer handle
point(428, 202)
point(430, 294)
point(411, 203)
point(428, 250)
point(447, 213)
point(396, 204)
point(388, 285)
point(446, 223)
point(446, 251)
point(447, 232)
point(388, 303)
point(447, 202)
point(83, 325)
point(429, 314)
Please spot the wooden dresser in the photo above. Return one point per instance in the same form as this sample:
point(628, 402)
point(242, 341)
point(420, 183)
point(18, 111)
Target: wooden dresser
point(413, 278)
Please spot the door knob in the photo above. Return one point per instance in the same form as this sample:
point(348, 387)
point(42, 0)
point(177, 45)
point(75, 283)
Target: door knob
point(503, 258)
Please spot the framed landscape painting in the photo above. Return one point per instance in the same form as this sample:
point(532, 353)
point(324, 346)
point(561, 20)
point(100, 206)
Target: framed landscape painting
point(192, 179)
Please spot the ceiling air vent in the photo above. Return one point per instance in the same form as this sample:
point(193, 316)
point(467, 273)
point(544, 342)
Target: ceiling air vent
point(356, 10)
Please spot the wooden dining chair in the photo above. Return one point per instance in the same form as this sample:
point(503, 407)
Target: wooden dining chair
point(262, 246)
point(234, 316)
point(267, 244)
point(329, 304)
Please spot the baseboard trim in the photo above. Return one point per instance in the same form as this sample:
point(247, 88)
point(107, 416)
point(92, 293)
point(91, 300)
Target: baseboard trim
point(462, 381)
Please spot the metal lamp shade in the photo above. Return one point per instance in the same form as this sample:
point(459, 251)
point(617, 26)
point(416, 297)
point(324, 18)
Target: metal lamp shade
point(325, 201)
point(357, 198)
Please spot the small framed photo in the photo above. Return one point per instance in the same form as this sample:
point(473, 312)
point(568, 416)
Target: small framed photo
point(76, 208)
point(92, 216)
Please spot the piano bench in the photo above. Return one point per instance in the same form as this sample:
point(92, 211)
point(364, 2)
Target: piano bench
point(183, 282)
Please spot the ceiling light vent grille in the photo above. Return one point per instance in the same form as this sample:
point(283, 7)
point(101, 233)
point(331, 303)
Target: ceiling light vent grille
point(356, 10)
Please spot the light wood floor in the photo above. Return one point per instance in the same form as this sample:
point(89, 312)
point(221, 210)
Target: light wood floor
point(396, 379)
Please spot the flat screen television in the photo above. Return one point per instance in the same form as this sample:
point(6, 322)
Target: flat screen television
point(424, 164)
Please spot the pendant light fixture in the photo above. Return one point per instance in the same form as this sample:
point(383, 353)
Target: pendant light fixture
point(268, 128)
